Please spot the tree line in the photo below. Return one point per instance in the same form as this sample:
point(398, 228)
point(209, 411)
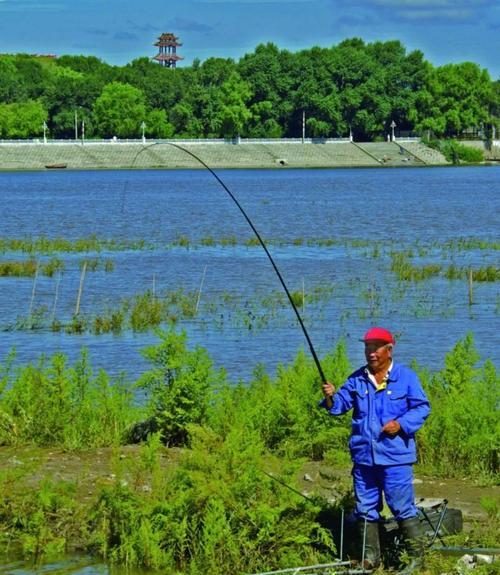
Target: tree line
point(353, 87)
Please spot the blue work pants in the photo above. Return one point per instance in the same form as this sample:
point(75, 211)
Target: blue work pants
point(394, 481)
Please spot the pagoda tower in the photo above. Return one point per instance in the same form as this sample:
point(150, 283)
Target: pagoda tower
point(167, 55)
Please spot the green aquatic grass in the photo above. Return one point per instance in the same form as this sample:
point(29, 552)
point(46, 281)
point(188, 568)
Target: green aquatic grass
point(43, 245)
point(406, 271)
point(31, 267)
point(147, 310)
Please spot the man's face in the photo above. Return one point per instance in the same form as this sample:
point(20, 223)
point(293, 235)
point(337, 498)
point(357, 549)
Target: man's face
point(378, 354)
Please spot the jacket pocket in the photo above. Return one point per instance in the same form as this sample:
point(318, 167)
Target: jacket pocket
point(397, 404)
point(360, 404)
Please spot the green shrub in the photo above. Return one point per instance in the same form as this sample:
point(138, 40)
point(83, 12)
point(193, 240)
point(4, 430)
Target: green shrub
point(179, 386)
point(462, 434)
point(52, 403)
point(216, 512)
point(284, 412)
point(42, 520)
point(456, 153)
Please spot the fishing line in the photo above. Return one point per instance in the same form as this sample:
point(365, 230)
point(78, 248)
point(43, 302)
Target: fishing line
point(255, 231)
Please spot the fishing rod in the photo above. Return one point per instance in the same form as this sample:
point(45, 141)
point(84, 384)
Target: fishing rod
point(258, 236)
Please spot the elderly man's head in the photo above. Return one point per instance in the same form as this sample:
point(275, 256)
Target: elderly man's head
point(378, 348)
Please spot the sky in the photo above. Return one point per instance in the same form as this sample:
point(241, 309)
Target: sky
point(118, 31)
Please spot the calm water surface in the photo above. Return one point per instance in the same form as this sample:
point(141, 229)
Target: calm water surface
point(398, 209)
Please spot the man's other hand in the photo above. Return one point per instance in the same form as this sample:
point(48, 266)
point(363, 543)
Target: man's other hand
point(391, 427)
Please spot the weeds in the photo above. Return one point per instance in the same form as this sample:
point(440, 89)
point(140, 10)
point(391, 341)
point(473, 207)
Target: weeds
point(215, 511)
point(462, 434)
point(406, 271)
point(52, 403)
point(29, 268)
point(48, 246)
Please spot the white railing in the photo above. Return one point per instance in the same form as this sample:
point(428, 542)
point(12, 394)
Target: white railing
point(140, 141)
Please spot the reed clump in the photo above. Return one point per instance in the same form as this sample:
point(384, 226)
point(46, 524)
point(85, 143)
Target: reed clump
point(47, 246)
point(483, 274)
point(29, 268)
point(406, 271)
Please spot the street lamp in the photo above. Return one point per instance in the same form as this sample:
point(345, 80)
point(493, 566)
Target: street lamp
point(83, 132)
point(76, 125)
point(143, 126)
point(393, 125)
point(45, 132)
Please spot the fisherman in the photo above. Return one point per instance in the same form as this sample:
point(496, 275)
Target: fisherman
point(389, 406)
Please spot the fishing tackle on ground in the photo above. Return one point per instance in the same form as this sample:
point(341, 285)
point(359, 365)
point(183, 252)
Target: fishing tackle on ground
point(257, 235)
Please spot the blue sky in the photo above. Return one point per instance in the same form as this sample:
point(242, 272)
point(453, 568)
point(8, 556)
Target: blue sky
point(117, 31)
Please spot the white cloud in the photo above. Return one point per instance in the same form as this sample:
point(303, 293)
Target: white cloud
point(430, 14)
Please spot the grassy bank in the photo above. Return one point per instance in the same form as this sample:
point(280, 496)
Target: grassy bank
point(208, 507)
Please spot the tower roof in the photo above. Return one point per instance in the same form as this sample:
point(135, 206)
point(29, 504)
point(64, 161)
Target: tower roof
point(168, 39)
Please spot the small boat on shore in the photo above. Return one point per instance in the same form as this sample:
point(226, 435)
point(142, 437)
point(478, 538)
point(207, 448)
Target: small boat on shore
point(56, 166)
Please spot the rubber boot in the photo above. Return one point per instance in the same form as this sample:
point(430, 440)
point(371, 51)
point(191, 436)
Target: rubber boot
point(371, 541)
point(414, 535)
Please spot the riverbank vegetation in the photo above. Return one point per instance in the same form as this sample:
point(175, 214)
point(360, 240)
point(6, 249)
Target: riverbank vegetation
point(211, 508)
point(353, 86)
point(457, 153)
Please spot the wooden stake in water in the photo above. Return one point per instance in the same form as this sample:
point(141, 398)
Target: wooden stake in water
point(470, 286)
point(199, 291)
point(56, 297)
point(33, 290)
point(303, 298)
point(80, 289)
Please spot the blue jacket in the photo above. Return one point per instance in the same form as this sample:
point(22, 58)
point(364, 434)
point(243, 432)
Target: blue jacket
point(403, 400)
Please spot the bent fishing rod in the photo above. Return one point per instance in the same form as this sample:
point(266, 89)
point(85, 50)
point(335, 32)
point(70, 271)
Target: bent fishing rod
point(257, 235)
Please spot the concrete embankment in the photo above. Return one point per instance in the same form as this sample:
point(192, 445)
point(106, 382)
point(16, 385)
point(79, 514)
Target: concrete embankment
point(126, 155)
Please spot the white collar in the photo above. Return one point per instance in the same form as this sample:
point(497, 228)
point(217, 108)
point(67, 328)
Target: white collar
point(371, 377)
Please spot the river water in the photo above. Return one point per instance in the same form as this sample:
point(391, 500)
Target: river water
point(366, 213)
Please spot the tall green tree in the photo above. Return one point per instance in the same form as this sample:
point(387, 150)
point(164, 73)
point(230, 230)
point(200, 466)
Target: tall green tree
point(233, 115)
point(119, 111)
point(11, 84)
point(458, 97)
point(22, 120)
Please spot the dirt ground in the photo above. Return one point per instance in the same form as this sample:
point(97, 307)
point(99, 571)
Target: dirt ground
point(93, 469)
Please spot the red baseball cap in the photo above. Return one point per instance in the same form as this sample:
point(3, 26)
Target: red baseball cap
point(379, 334)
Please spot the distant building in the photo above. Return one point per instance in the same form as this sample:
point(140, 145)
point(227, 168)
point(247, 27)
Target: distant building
point(167, 44)
point(49, 56)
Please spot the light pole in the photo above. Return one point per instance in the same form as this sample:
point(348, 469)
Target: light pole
point(143, 126)
point(303, 126)
point(83, 132)
point(44, 132)
point(76, 125)
point(393, 125)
